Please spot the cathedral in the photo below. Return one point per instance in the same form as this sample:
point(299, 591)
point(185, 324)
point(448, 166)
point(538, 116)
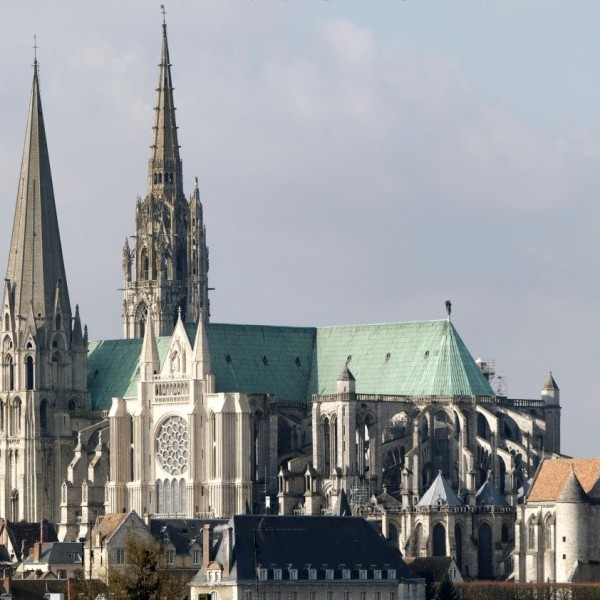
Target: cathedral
point(184, 417)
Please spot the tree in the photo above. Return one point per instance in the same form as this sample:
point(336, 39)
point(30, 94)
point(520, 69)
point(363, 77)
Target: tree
point(145, 575)
point(446, 589)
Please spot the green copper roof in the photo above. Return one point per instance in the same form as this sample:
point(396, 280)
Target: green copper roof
point(262, 359)
point(424, 358)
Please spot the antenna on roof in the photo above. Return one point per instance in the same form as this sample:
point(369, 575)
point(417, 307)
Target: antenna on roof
point(448, 308)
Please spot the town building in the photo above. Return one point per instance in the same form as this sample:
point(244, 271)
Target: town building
point(558, 526)
point(303, 558)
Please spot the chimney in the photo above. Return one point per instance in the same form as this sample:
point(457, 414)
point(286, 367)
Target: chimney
point(206, 546)
point(37, 551)
point(7, 583)
point(227, 550)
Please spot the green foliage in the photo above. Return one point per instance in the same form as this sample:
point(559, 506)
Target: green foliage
point(446, 589)
point(145, 575)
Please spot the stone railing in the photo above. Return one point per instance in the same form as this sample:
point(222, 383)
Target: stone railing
point(171, 391)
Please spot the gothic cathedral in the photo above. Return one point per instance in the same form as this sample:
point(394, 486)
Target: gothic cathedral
point(184, 417)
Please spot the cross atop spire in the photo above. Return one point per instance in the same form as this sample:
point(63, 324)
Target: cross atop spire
point(164, 13)
point(35, 47)
point(35, 265)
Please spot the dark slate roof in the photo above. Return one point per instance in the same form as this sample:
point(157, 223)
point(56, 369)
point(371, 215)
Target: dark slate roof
point(59, 553)
point(440, 493)
point(572, 490)
point(30, 534)
point(300, 541)
point(488, 495)
point(182, 533)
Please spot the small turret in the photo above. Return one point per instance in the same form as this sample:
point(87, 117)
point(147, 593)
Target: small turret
point(551, 392)
point(346, 383)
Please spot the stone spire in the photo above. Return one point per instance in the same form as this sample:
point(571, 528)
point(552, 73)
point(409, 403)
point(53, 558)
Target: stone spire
point(170, 253)
point(164, 168)
point(36, 270)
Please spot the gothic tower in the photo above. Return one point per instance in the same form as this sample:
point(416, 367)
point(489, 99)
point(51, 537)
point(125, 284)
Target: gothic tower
point(43, 380)
point(170, 253)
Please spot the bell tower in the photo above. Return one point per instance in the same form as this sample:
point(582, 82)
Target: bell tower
point(43, 349)
point(166, 267)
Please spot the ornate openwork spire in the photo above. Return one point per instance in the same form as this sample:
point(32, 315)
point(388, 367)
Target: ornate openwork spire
point(164, 170)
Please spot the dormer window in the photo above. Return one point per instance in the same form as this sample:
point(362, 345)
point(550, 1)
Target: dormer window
point(345, 573)
point(329, 574)
point(277, 574)
point(262, 574)
point(293, 574)
point(377, 574)
point(312, 574)
point(362, 574)
point(391, 573)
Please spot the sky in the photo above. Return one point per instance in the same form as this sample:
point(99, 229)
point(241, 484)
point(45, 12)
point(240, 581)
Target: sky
point(358, 161)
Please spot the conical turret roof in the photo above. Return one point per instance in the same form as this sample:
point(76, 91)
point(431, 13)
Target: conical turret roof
point(440, 493)
point(488, 495)
point(572, 491)
point(35, 264)
point(550, 384)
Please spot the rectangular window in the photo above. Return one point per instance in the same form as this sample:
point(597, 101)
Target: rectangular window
point(312, 574)
point(346, 596)
point(564, 539)
point(377, 595)
point(293, 596)
point(276, 573)
point(329, 595)
point(363, 596)
point(391, 573)
point(313, 596)
point(377, 574)
point(345, 573)
point(293, 574)
point(120, 556)
point(276, 595)
point(247, 595)
point(170, 557)
point(392, 595)
point(196, 557)
point(262, 574)
point(262, 596)
point(362, 574)
point(329, 574)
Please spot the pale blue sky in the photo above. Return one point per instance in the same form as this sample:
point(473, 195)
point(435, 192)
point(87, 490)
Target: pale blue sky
point(359, 161)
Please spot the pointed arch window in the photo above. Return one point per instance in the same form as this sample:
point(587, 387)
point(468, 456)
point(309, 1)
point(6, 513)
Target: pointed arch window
point(9, 373)
point(29, 373)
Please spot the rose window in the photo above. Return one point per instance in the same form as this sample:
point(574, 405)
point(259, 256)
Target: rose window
point(172, 446)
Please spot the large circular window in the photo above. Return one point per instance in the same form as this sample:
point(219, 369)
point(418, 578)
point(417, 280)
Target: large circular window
point(172, 446)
